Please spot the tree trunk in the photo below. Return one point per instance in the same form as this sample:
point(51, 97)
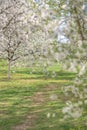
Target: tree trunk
point(9, 69)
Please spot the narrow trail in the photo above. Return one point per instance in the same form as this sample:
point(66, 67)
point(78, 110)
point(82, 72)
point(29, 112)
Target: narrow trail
point(38, 100)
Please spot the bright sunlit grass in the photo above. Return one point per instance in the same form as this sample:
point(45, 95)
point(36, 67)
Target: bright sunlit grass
point(33, 98)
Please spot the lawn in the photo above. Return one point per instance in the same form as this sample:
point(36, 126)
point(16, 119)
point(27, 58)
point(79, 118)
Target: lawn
point(34, 101)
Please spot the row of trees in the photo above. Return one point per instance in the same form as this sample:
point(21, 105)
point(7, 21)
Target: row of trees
point(25, 30)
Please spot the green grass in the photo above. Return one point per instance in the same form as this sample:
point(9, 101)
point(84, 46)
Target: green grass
point(25, 99)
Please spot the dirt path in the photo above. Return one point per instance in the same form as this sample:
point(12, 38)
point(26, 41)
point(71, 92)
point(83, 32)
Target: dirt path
point(38, 99)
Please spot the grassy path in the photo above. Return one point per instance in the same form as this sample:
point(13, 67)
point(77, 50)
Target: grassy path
point(44, 104)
